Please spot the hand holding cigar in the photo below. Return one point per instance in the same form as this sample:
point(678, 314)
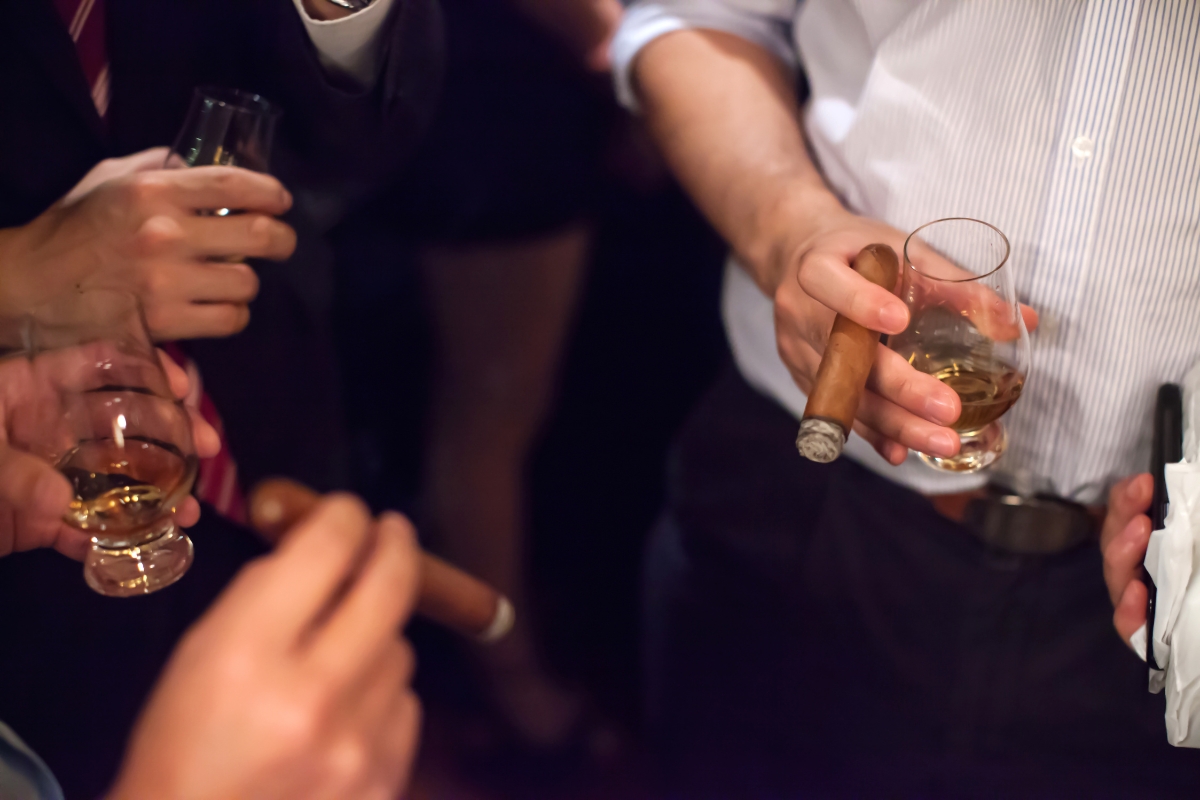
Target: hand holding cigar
point(447, 594)
point(845, 365)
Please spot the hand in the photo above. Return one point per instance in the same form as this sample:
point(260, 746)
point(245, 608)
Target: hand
point(1123, 541)
point(901, 408)
point(585, 26)
point(34, 495)
point(296, 683)
point(132, 225)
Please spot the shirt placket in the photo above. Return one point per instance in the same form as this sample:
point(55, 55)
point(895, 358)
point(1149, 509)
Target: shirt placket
point(1078, 170)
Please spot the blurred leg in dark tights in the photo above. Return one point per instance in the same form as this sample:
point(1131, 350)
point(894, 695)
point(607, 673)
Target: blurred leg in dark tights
point(500, 314)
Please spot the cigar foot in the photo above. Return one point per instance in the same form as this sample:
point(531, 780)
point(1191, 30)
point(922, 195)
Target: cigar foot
point(501, 624)
point(820, 440)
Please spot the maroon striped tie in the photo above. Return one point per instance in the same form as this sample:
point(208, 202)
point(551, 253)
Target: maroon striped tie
point(217, 481)
point(85, 23)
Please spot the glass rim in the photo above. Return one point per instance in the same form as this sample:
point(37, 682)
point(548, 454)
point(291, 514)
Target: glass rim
point(1007, 250)
point(239, 100)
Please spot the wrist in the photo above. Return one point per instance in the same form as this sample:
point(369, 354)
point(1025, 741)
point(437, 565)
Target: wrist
point(791, 219)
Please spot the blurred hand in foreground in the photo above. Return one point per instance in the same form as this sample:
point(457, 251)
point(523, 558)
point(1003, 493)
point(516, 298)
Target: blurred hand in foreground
point(296, 683)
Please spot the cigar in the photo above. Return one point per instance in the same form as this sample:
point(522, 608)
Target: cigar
point(842, 376)
point(447, 595)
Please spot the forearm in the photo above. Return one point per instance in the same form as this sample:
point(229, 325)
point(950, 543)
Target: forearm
point(724, 114)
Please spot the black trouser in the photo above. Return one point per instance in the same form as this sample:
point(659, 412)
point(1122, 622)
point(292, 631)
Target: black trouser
point(818, 630)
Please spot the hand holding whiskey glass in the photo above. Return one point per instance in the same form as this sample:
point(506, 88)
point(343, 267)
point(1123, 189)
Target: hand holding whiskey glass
point(106, 417)
point(966, 329)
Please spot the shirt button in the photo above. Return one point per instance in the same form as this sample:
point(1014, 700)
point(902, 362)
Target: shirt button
point(1083, 147)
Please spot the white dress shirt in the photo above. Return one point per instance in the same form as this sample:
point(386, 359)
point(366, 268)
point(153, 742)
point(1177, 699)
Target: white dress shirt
point(1072, 125)
point(349, 45)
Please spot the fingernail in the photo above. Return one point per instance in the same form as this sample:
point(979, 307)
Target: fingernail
point(501, 623)
point(893, 318)
point(943, 443)
point(268, 511)
point(939, 409)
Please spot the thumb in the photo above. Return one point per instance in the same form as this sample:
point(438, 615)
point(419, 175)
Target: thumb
point(37, 494)
point(111, 168)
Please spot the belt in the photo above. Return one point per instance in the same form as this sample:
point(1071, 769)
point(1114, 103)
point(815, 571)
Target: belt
point(1003, 520)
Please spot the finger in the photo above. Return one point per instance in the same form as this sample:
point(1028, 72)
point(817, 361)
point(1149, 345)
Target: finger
point(38, 496)
point(880, 421)
point(830, 281)
point(202, 281)
point(1124, 554)
point(111, 168)
point(204, 435)
point(176, 375)
point(391, 672)
point(188, 512)
point(397, 743)
point(893, 378)
point(893, 452)
point(313, 563)
point(1130, 613)
point(72, 542)
point(182, 320)
point(1031, 317)
point(205, 188)
point(276, 504)
point(1127, 499)
point(241, 235)
point(375, 605)
point(906, 428)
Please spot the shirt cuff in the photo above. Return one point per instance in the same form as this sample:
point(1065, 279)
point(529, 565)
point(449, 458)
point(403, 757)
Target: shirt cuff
point(647, 20)
point(349, 45)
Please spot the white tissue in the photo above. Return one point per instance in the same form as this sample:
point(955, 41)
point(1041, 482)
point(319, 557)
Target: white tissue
point(1173, 559)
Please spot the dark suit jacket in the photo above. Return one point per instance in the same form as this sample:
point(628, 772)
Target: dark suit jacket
point(74, 666)
point(276, 383)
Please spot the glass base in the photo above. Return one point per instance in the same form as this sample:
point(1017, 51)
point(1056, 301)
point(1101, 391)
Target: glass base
point(130, 571)
point(979, 450)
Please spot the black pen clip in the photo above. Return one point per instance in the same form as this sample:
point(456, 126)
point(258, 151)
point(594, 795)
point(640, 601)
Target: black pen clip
point(1167, 448)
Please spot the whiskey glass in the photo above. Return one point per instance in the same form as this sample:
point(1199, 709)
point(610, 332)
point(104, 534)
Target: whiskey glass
point(105, 416)
point(966, 329)
point(226, 127)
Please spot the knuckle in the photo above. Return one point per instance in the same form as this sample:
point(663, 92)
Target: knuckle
point(348, 759)
point(157, 234)
point(223, 179)
point(143, 188)
point(259, 235)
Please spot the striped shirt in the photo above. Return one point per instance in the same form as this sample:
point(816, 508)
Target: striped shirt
point(1069, 124)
